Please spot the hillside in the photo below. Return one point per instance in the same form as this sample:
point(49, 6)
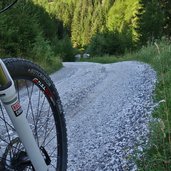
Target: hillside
point(54, 30)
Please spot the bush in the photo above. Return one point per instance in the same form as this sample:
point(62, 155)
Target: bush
point(111, 43)
point(65, 49)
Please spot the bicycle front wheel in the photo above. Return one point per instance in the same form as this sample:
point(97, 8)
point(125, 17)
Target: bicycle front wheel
point(42, 107)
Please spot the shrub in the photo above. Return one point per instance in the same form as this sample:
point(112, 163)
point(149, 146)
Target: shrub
point(112, 43)
point(65, 49)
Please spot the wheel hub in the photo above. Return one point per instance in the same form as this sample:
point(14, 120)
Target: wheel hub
point(15, 157)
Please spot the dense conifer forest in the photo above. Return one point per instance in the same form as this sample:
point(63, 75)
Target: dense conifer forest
point(44, 30)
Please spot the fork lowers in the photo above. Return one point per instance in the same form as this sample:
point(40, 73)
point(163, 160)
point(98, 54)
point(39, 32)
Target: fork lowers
point(13, 109)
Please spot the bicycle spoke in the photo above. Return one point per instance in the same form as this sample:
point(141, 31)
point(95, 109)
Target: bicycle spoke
point(34, 91)
point(53, 166)
point(2, 158)
point(38, 115)
point(9, 137)
point(54, 150)
point(41, 117)
point(30, 93)
point(50, 140)
point(7, 123)
point(45, 124)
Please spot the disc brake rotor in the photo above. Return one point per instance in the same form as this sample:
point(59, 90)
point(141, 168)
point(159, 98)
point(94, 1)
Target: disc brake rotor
point(15, 158)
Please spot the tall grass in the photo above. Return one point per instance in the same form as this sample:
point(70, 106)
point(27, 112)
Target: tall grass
point(51, 65)
point(157, 156)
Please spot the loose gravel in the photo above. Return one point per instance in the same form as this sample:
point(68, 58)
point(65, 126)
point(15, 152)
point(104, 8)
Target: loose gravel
point(107, 108)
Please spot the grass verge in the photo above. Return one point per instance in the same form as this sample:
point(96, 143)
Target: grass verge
point(157, 156)
point(50, 66)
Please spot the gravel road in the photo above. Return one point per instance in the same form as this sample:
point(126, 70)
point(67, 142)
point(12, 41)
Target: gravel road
point(107, 109)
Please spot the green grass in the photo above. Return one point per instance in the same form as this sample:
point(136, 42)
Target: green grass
point(50, 66)
point(157, 156)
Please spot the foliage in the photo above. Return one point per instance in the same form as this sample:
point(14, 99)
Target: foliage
point(28, 31)
point(65, 50)
point(157, 156)
point(152, 23)
point(109, 43)
point(23, 33)
point(98, 26)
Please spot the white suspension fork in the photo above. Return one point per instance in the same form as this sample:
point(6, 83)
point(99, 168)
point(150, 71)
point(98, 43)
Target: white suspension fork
point(10, 101)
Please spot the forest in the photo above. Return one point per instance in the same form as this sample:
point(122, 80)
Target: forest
point(56, 30)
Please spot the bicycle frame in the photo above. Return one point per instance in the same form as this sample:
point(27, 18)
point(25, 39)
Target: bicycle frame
point(9, 99)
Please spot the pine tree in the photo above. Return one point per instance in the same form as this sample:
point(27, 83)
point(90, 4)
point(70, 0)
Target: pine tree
point(76, 26)
point(152, 21)
point(124, 17)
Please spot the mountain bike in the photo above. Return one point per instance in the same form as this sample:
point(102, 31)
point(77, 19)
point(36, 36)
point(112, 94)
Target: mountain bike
point(32, 124)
